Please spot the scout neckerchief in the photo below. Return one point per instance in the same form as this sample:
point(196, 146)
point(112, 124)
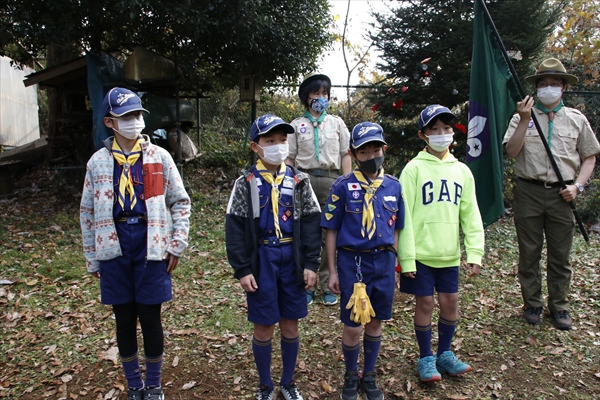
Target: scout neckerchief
point(550, 115)
point(126, 161)
point(316, 123)
point(275, 183)
point(368, 217)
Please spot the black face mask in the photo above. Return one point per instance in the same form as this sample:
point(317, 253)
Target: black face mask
point(371, 166)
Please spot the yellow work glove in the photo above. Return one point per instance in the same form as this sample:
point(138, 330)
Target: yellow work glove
point(359, 302)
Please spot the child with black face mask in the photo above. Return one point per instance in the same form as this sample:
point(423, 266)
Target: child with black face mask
point(364, 217)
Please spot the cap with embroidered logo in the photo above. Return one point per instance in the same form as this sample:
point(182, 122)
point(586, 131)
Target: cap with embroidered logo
point(266, 123)
point(430, 113)
point(366, 132)
point(120, 101)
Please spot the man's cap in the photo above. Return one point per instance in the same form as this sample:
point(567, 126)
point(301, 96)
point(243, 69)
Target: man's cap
point(366, 132)
point(120, 101)
point(553, 68)
point(266, 123)
point(430, 112)
point(313, 76)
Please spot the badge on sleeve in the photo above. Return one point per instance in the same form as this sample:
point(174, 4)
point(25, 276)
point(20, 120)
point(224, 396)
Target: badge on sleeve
point(331, 207)
point(328, 216)
point(334, 198)
point(392, 220)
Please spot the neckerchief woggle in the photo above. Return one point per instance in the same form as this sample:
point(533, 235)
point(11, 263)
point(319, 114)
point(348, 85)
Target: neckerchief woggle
point(550, 114)
point(275, 183)
point(316, 123)
point(368, 217)
point(126, 161)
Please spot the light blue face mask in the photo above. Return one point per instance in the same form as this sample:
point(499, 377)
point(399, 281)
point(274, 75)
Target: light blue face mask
point(319, 104)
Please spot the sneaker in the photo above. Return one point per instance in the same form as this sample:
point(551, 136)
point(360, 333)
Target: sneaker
point(329, 299)
point(135, 394)
point(264, 393)
point(310, 296)
point(427, 370)
point(154, 393)
point(562, 320)
point(448, 363)
point(350, 390)
point(369, 387)
point(532, 315)
point(290, 391)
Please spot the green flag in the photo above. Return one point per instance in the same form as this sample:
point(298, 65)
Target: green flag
point(492, 101)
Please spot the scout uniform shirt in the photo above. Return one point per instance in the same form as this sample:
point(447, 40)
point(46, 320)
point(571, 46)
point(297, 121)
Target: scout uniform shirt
point(285, 205)
point(334, 140)
point(572, 141)
point(344, 208)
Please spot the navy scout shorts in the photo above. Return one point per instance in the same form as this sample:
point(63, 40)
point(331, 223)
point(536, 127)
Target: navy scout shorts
point(278, 294)
point(443, 280)
point(378, 273)
point(131, 277)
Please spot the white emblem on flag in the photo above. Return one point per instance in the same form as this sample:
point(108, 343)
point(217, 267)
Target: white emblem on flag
point(476, 125)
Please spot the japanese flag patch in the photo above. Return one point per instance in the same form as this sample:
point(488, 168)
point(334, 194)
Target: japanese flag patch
point(353, 186)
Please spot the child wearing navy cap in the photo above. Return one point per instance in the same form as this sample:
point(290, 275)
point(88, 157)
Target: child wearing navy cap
point(364, 216)
point(135, 220)
point(273, 240)
point(439, 192)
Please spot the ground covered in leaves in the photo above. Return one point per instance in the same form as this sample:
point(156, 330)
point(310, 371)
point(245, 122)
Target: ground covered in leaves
point(58, 340)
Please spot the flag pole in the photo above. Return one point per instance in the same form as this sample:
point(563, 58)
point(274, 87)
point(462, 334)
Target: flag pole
point(513, 71)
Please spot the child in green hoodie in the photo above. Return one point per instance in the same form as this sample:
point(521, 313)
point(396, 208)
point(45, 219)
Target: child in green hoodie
point(439, 192)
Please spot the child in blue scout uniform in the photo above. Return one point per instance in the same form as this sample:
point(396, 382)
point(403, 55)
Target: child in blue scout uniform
point(364, 215)
point(135, 221)
point(439, 192)
point(273, 241)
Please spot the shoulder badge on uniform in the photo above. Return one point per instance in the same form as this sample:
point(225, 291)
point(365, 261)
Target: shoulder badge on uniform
point(331, 207)
point(328, 216)
point(334, 197)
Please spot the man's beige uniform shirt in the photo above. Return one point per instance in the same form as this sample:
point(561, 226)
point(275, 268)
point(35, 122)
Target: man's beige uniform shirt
point(572, 141)
point(334, 140)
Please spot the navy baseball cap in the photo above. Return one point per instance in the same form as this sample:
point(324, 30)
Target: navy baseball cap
point(366, 132)
point(266, 123)
point(120, 101)
point(431, 112)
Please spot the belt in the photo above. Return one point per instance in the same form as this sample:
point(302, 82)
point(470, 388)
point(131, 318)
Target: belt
point(131, 220)
point(330, 173)
point(547, 185)
point(374, 250)
point(276, 242)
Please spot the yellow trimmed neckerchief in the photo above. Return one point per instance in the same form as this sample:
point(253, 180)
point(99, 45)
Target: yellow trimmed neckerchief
point(275, 183)
point(368, 217)
point(126, 161)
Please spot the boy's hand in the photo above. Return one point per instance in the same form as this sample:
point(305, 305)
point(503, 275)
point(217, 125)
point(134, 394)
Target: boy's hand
point(249, 283)
point(410, 275)
point(474, 270)
point(334, 283)
point(310, 278)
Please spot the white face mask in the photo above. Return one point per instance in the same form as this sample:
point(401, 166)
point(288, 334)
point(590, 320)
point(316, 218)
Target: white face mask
point(440, 143)
point(275, 154)
point(549, 95)
point(130, 127)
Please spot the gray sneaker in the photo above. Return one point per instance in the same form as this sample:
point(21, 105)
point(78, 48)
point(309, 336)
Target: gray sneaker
point(532, 315)
point(290, 391)
point(265, 393)
point(154, 393)
point(135, 394)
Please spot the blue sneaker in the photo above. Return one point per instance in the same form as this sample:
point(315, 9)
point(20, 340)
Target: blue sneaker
point(448, 363)
point(427, 370)
point(310, 296)
point(329, 299)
